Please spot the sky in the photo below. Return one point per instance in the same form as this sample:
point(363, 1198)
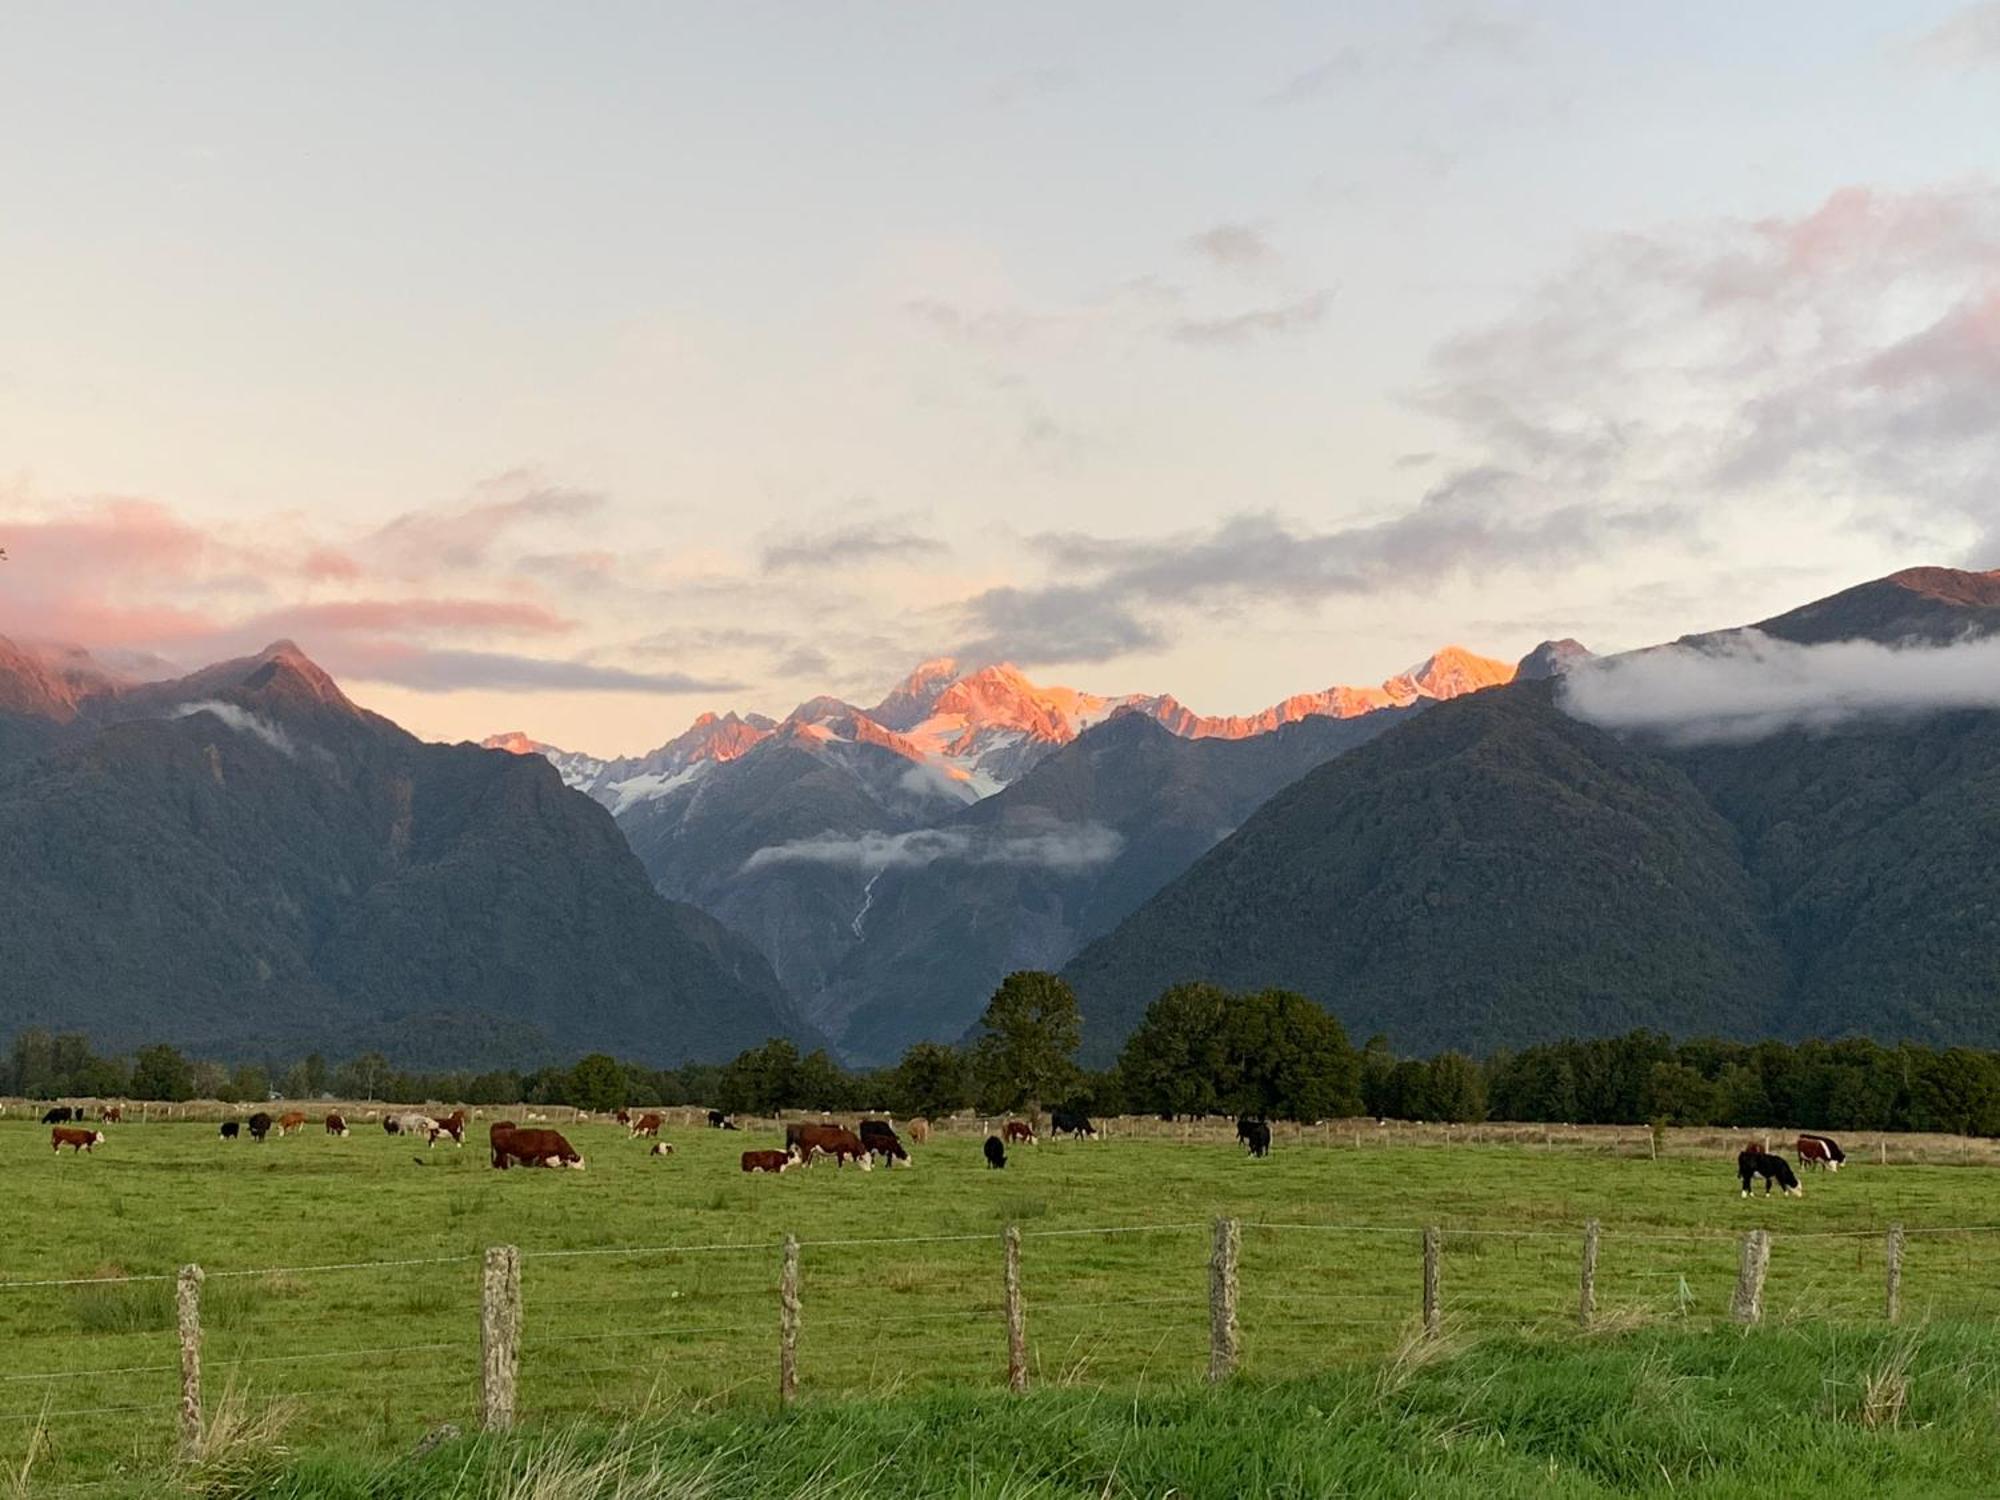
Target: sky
point(576, 371)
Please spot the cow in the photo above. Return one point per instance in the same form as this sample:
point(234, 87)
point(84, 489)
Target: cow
point(643, 1125)
point(1820, 1151)
point(622, 1115)
point(112, 1113)
point(717, 1120)
point(1755, 1161)
point(880, 1139)
point(452, 1125)
point(390, 1126)
point(290, 1121)
point(768, 1161)
point(996, 1154)
point(259, 1125)
point(1255, 1134)
point(335, 1125)
point(415, 1122)
point(531, 1148)
point(920, 1131)
point(1072, 1122)
point(662, 1148)
point(1018, 1132)
point(62, 1114)
point(230, 1130)
point(836, 1141)
point(75, 1139)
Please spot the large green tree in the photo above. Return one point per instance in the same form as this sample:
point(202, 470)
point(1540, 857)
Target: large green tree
point(930, 1080)
point(1027, 1044)
point(162, 1073)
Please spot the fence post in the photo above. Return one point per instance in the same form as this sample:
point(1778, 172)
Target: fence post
point(1748, 1304)
point(788, 1322)
point(1586, 1295)
point(1017, 1323)
point(1895, 1288)
point(1433, 1254)
point(499, 1336)
point(187, 1297)
point(1222, 1330)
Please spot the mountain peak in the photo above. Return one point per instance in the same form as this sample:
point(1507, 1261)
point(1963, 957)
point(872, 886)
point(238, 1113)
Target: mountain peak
point(1927, 604)
point(912, 700)
point(1449, 672)
point(1552, 659)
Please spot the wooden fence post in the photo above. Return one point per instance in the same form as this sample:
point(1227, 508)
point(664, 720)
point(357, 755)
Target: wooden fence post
point(1895, 1260)
point(187, 1297)
point(1433, 1253)
point(1748, 1304)
point(1017, 1323)
point(1222, 1330)
point(788, 1322)
point(499, 1337)
point(1586, 1296)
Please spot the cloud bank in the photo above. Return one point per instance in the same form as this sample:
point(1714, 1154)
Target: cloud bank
point(1064, 849)
point(1747, 685)
point(243, 722)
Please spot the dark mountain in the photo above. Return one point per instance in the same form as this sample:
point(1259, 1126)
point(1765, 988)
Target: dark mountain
point(1497, 873)
point(1551, 659)
point(242, 859)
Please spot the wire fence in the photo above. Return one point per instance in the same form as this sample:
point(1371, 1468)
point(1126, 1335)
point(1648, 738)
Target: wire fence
point(111, 1373)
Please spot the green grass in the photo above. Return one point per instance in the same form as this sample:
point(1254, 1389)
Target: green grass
point(370, 1359)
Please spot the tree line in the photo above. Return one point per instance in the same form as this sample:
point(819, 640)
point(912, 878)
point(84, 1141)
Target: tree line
point(1199, 1050)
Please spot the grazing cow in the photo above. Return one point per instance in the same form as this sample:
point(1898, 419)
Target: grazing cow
point(1018, 1132)
point(1072, 1122)
point(452, 1125)
point(880, 1139)
point(62, 1114)
point(768, 1161)
point(390, 1126)
point(1820, 1151)
point(531, 1148)
point(836, 1141)
point(996, 1154)
point(717, 1120)
point(1255, 1134)
point(920, 1131)
point(75, 1139)
point(622, 1116)
point(112, 1113)
point(1754, 1161)
point(414, 1122)
point(230, 1130)
point(259, 1125)
point(662, 1148)
point(335, 1125)
point(290, 1121)
point(646, 1125)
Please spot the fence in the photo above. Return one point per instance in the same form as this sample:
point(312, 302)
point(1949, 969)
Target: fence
point(389, 1350)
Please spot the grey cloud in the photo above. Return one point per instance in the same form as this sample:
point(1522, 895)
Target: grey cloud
point(450, 671)
point(436, 538)
point(1747, 686)
point(1968, 39)
point(1051, 623)
point(1234, 246)
point(1067, 847)
point(859, 542)
point(1323, 78)
point(243, 722)
point(1258, 323)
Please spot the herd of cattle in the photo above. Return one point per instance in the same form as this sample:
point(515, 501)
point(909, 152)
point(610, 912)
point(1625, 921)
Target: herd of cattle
point(806, 1142)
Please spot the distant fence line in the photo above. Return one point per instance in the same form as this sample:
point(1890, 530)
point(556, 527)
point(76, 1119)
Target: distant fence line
point(503, 1322)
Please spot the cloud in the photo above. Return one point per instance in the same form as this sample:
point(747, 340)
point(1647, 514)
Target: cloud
point(858, 542)
point(243, 722)
point(1051, 623)
point(1323, 78)
point(433, 540)
point(1064, 849)
point(1967, 40)
point(1234, 247)
point(1747, 685)
point(414, 616)
point(446, 671)
point(1258, 323)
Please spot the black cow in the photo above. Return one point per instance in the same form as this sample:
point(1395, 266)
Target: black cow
point(259, 1125)
point(717, 1120)
point(1754, 1161)
point(879, 1136)
point(62, 1114)
point(391, 1126)
point(1255, 1134)
point(996, 1154)
point(1071, 1122)
point(230, 1130)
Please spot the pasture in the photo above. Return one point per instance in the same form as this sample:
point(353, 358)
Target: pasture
point(343, 1273)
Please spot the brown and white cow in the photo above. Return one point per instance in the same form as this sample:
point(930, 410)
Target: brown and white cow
point(661, 1148)
point(290, 1121)
point(531, 1148)
point(452, 1125)
point(74, 1138)
point(1820, 1151)
point(111, 1114)
point(646, 1125)
point(836, 1141)
point(335, 1125)
point(1018, 1132)
point(768, 1161)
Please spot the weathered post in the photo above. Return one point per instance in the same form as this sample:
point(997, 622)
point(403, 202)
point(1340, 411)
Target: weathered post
point(1433, 1254)
point(499, 1337)
point(788, 1322)
point(1222, 1330)
point(1895, 1263)
point(1017, 1323)
point(187, 1299)
point(1586, 1295)
point(1748, 1304)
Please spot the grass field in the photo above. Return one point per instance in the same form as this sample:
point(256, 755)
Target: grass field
point(649, 1283)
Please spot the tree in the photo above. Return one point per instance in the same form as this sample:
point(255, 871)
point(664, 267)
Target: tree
point(597, 1083)
point(1028, 1040)
point(161, 1072)
point(762, 1080)
point(930, 1080)
point(820, 1083)
point(1173, 1062)
point(361, 1077)
point(33, 1065)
